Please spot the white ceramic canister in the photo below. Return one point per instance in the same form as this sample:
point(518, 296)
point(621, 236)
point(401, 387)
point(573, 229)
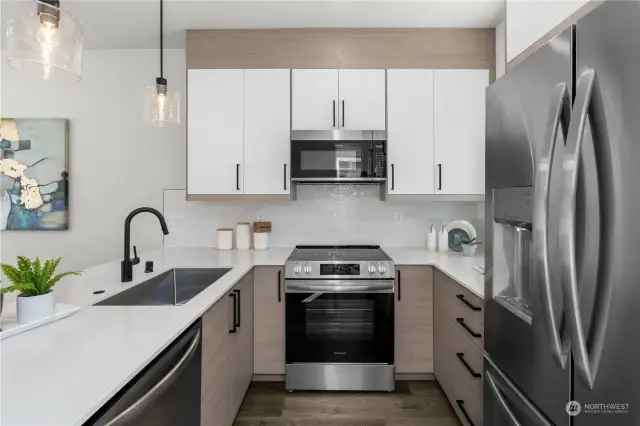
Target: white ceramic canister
point(243, 236)
point(225, 239)
point(260, 240)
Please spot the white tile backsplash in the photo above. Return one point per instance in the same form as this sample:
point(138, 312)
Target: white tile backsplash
point(322, 214)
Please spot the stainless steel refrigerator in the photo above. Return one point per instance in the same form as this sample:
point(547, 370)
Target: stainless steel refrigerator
point(562, 297)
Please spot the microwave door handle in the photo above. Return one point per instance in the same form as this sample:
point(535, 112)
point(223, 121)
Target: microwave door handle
point(587, 364)
point(559, 344)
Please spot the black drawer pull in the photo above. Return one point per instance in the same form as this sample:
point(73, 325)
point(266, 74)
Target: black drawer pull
point(238, 312)
point(466, 327)
point(464, 362)
point(469, 304)
point(279, 286)
point(399, 285)
point(460, 404)
point(235, 310)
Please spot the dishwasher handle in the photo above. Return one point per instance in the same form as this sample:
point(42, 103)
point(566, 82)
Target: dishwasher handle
point(159, 388)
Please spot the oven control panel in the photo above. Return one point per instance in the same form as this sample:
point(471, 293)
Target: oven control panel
point(349, 269)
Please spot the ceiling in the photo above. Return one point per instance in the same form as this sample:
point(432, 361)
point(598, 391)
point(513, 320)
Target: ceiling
point(129, 24)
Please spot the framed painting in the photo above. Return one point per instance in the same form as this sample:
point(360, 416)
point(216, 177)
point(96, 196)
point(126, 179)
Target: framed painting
point(34, 174)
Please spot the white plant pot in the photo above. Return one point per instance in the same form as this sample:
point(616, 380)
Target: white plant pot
point(35, 307)
point(469, 249)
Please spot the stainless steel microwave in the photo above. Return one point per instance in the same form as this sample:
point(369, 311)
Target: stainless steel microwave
point(335, 156)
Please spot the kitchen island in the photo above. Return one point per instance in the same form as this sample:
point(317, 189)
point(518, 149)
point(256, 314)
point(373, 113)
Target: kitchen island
point(73, 367)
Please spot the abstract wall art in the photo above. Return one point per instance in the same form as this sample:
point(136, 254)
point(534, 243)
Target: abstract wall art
point(34, 178)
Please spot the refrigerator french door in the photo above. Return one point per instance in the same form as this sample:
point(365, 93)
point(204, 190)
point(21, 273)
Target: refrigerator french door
point(604, 287)
point(528, 112)
point(566, 339)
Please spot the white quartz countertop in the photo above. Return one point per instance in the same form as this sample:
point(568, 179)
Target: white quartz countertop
point(62, 373)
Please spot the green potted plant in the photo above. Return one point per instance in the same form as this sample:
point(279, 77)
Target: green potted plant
point(35, 283)
point(469, 246)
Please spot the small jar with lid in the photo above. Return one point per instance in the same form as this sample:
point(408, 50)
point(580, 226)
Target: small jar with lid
point(261, 231)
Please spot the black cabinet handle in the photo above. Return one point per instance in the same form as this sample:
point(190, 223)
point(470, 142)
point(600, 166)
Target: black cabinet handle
point(238, 177)
point(399, 285)
point(466, 327)
point(460, 404)
point(285, 177)
point(464, 362)
point(235, 300)
point(393, 177)
point(439, 177)
point(238, 312)
point(334, 113)
point(343, 114)
point(469, 304)
point(279, 286)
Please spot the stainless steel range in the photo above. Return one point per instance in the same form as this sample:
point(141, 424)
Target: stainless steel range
point(339, 318)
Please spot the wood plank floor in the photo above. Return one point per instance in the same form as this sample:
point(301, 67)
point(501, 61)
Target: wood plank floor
point(412, 404)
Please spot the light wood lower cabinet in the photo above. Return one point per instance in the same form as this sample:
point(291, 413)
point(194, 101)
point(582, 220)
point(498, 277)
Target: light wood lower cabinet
point(269, 320)
point(227, 354)
point(458, 332)
point(414, 320)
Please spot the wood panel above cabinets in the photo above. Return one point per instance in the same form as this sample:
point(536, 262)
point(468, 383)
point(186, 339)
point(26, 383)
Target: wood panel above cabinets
point(238, 134)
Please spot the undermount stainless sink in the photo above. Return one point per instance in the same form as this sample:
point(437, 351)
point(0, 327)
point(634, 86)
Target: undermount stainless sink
point(173, 287)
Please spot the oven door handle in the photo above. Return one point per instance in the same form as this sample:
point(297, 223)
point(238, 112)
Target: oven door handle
point(338, 286)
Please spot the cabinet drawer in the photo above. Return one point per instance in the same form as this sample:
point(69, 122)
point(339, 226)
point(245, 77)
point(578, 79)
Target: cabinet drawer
point(461, 356)
point(467, 323)
point(466, 403)
point(449, 290)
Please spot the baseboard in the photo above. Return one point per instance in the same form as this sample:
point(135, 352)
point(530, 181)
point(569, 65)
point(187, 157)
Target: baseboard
point(268, 377)
point(403, 376)
point(415, 376)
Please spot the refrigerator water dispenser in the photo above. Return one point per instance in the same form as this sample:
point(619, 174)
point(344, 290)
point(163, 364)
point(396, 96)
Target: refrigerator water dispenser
point(512, 281)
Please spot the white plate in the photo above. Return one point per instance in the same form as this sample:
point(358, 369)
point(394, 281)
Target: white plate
point(9, 321)
point(461, 225)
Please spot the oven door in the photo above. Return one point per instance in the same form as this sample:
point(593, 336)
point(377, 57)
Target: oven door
point(340, 321)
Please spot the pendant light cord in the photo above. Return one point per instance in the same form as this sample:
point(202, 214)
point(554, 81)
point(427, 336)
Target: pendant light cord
point(161, 39)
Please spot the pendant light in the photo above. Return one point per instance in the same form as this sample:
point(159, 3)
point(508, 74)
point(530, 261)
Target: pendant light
point(165, 103)
point(43, 39)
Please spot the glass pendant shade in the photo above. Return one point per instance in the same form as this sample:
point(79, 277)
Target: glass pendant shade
point(43, 39)
point(164, 103)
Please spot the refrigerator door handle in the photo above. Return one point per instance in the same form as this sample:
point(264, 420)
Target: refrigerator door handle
point(501, 400)
point(544, 166)
point(587, 364)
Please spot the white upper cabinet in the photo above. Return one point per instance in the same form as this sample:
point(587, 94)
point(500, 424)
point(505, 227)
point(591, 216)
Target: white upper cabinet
point(410, 132)
point(459, 130)
point(267, 127)
point(315, 99)
point(338, 99)
point(215, 131)
point(528, 21)
point(362, 99)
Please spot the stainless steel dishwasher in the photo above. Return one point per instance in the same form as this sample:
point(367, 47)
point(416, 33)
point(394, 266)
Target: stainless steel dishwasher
point(165, 393)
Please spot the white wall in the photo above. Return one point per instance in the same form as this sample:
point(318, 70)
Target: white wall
point(321, 215)
point(501, 47)
point(117, 161)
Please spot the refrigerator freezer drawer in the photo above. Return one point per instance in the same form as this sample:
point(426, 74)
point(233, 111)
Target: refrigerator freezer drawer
point(505, 405)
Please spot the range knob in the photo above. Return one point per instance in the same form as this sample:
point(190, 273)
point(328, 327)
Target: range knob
point(371, 268)
point(297, 269)
point(382, 268)
point(307, 268)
